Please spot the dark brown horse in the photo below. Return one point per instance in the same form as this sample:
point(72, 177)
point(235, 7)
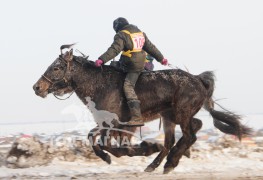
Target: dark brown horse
point(174, 95)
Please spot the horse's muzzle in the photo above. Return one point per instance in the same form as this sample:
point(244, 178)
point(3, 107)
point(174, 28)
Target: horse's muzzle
point(39, 91)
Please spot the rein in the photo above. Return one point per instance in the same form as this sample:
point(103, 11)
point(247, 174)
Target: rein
point(171, 66)
point(62, 98)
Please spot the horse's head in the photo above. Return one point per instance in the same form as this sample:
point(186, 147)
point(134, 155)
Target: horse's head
point(57, 78)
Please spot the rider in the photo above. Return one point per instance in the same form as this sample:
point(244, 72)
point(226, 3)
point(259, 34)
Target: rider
point(133, 43)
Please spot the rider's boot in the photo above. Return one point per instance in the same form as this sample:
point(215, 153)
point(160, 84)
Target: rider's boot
point(135, 110)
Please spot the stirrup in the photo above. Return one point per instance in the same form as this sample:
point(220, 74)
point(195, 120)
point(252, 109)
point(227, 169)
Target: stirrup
point(135, 123)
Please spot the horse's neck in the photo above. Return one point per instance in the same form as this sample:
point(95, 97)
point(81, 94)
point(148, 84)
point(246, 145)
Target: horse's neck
point(87, 80)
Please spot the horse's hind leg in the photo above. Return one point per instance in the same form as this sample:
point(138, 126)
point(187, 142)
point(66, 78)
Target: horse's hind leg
point(196, 125)
point(189, 137)
point(169, 128)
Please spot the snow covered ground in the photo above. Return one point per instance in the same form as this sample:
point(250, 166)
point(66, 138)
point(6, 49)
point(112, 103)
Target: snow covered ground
point(214, 156)
point(211, 167)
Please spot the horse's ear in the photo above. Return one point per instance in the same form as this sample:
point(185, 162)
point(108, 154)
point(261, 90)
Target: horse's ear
point(71, 54)
point(68, 56)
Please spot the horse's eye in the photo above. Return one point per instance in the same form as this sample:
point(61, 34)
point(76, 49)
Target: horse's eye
point(56, 68)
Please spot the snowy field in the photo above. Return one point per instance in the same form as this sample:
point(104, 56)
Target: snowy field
point(214, 156)
point(210, 167)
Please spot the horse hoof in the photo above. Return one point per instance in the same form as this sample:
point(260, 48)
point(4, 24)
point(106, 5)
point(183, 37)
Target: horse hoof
point(167, 170)
point(108, 159)
point(187, 153)
point(149, 169)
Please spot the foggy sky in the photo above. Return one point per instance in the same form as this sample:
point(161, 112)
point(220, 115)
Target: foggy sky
point(224, 36)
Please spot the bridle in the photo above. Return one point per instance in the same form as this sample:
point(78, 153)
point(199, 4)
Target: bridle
point(63, 79)
point(67, 72)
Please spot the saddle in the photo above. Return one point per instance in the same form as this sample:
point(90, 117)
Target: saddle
point(117, 65)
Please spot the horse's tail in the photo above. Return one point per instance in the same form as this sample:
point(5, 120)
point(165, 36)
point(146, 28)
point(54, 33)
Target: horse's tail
point(227, 122)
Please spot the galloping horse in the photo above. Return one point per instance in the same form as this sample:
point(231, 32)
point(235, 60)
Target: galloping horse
point(174, 95)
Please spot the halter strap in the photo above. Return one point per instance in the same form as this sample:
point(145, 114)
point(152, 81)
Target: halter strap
point(46, 78)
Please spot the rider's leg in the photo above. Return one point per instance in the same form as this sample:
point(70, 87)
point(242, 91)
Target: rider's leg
point(132, 99)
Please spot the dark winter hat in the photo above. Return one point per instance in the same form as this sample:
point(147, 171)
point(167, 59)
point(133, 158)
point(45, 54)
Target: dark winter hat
point(119, 23)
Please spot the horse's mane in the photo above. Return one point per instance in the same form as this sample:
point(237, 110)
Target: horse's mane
point(88, 64)
point(91, 64)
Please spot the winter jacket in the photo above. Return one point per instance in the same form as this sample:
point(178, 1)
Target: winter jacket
point(134, 61)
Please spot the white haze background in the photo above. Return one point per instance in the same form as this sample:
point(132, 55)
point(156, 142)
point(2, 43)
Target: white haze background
point(224, 36)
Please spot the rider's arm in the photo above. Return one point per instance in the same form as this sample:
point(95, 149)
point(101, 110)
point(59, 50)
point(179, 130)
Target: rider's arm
point(115, 48)
point(150, 48)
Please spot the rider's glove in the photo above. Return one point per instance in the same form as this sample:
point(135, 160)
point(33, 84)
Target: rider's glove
point(98, 62)
point(164, 62)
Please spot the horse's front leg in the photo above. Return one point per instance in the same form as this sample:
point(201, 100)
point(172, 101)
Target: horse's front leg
point(122, 146)
point(147, 148)
point(169, 140)
point(143, 149)
point(93, 134)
